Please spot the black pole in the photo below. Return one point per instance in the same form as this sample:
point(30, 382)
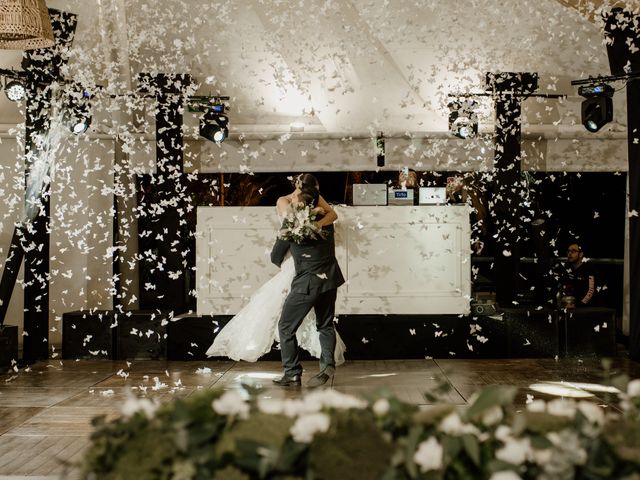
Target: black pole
point(508, 90)
point(623, 49)
point(633, 142)
point(10, 271)
point(36, 226)
point(165, 218)
point(42, 67)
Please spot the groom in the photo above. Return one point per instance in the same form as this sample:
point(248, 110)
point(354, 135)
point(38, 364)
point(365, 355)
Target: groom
point(315, 285)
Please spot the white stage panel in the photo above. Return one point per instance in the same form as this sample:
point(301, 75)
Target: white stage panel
point(397, 259)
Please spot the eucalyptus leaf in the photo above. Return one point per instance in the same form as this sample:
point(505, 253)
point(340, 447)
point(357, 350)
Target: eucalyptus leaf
point(472, 447)
point(335, 454)
point(432, 414)
point(624, 439)
point(539, 422)
point(490, 396)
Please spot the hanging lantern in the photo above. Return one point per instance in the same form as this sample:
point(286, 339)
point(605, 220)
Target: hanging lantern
point(25, 25)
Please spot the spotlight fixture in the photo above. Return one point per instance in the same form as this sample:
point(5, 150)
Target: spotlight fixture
point(77, 116)
point(597, 106)
point(463, 120)
point(15, 90)
point(213, 124)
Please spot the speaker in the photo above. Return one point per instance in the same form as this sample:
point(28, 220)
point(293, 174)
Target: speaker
point(142, 334)
point(88, 334)
point(480, 308)
point(590, 331)
point(532, 332)
point(8, 345)
point(190, 336)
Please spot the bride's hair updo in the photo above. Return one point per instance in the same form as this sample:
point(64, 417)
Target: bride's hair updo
point(306, 181)
point(309, 197)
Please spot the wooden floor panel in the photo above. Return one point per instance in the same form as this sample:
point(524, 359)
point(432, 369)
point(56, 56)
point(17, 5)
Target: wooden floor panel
point(11, 417)
point(46, 410)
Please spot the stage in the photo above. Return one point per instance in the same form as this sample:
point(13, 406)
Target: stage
point(45, 410)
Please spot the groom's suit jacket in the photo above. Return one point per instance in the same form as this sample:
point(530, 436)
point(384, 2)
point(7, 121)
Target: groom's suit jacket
point(316, 266)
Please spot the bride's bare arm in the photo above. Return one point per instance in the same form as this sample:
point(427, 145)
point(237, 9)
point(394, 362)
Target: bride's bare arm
point(330, 214)
point(283, 206)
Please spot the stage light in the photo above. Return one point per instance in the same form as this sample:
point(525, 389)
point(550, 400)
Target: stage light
point(79, 123)
point(213, 124)
point(15, 90)
point(597, 106)
point(77, 115)
point(463, 120)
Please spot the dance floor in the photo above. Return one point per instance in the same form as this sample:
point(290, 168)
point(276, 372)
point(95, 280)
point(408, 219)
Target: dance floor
point(45, 410)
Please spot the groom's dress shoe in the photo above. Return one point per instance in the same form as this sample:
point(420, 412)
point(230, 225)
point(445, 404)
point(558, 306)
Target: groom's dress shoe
point(321, 378)
point(284, 381)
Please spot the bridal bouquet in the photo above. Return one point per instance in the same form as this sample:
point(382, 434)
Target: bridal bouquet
point(300, 225)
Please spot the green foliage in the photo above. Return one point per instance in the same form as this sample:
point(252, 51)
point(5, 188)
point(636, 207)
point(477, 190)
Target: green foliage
point(383, 438)
point(352, 449)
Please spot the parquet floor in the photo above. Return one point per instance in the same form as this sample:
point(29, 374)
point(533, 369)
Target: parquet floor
point(45, 410)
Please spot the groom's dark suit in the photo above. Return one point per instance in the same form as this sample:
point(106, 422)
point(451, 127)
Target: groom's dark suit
point(315, 285)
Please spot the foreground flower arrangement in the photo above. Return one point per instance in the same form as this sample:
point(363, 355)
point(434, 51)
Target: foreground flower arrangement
point(328, 435)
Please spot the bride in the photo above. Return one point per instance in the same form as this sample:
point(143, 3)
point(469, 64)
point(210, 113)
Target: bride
point(252, 331)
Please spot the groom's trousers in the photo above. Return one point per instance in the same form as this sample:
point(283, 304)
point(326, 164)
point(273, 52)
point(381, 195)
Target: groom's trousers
point(296, 306)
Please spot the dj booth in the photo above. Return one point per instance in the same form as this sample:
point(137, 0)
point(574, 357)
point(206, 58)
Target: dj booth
point(398, 260)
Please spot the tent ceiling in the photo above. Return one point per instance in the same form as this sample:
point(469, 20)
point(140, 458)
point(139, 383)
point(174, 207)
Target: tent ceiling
point(340, 66)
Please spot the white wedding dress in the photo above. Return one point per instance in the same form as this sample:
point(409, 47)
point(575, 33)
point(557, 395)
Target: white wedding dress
point(252, 331)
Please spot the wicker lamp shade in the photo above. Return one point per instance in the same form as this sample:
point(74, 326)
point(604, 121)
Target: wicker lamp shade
point(25, 25)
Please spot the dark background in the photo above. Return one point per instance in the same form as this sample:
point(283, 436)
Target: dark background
point(587, 208)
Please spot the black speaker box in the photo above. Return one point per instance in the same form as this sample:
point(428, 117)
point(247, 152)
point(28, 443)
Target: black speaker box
point(8, 345)
point(142, 334)
point(532, 332)
point(88, 334)
point(590, 331)
point(190, 336)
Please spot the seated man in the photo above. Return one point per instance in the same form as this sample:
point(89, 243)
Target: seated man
point(579, 281)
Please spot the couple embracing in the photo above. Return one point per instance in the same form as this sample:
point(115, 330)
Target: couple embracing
point(295, 307)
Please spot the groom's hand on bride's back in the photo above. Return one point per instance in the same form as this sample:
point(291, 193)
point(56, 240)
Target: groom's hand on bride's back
point(278, 252)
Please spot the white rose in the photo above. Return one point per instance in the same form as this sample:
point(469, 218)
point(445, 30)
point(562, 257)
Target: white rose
point(452, 424)
point(293, 408)
point(381, 407)
point(561, 407)
point(515, 451)
point(505, 475)
point(537, 406)
point(307, 425)
point(492, 416)
point(271, 406)
point(633, 389)
point(593, 412)
point(133, 404)
point(231, 403)
point(429, 455)
point(542, 457)
point(319, 399)
point(503, 432)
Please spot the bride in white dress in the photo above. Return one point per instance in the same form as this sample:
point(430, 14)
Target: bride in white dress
point(252, 331)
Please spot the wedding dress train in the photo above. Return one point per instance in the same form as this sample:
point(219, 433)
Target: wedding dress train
point(252, 331)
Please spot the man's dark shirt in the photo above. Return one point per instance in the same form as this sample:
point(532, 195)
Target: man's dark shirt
point(580, 283)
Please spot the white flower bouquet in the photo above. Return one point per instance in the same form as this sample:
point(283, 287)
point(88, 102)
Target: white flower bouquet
point(300, 225)
point(327, 434)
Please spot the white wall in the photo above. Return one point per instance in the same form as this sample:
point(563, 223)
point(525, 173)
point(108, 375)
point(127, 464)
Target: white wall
point(11, 211)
